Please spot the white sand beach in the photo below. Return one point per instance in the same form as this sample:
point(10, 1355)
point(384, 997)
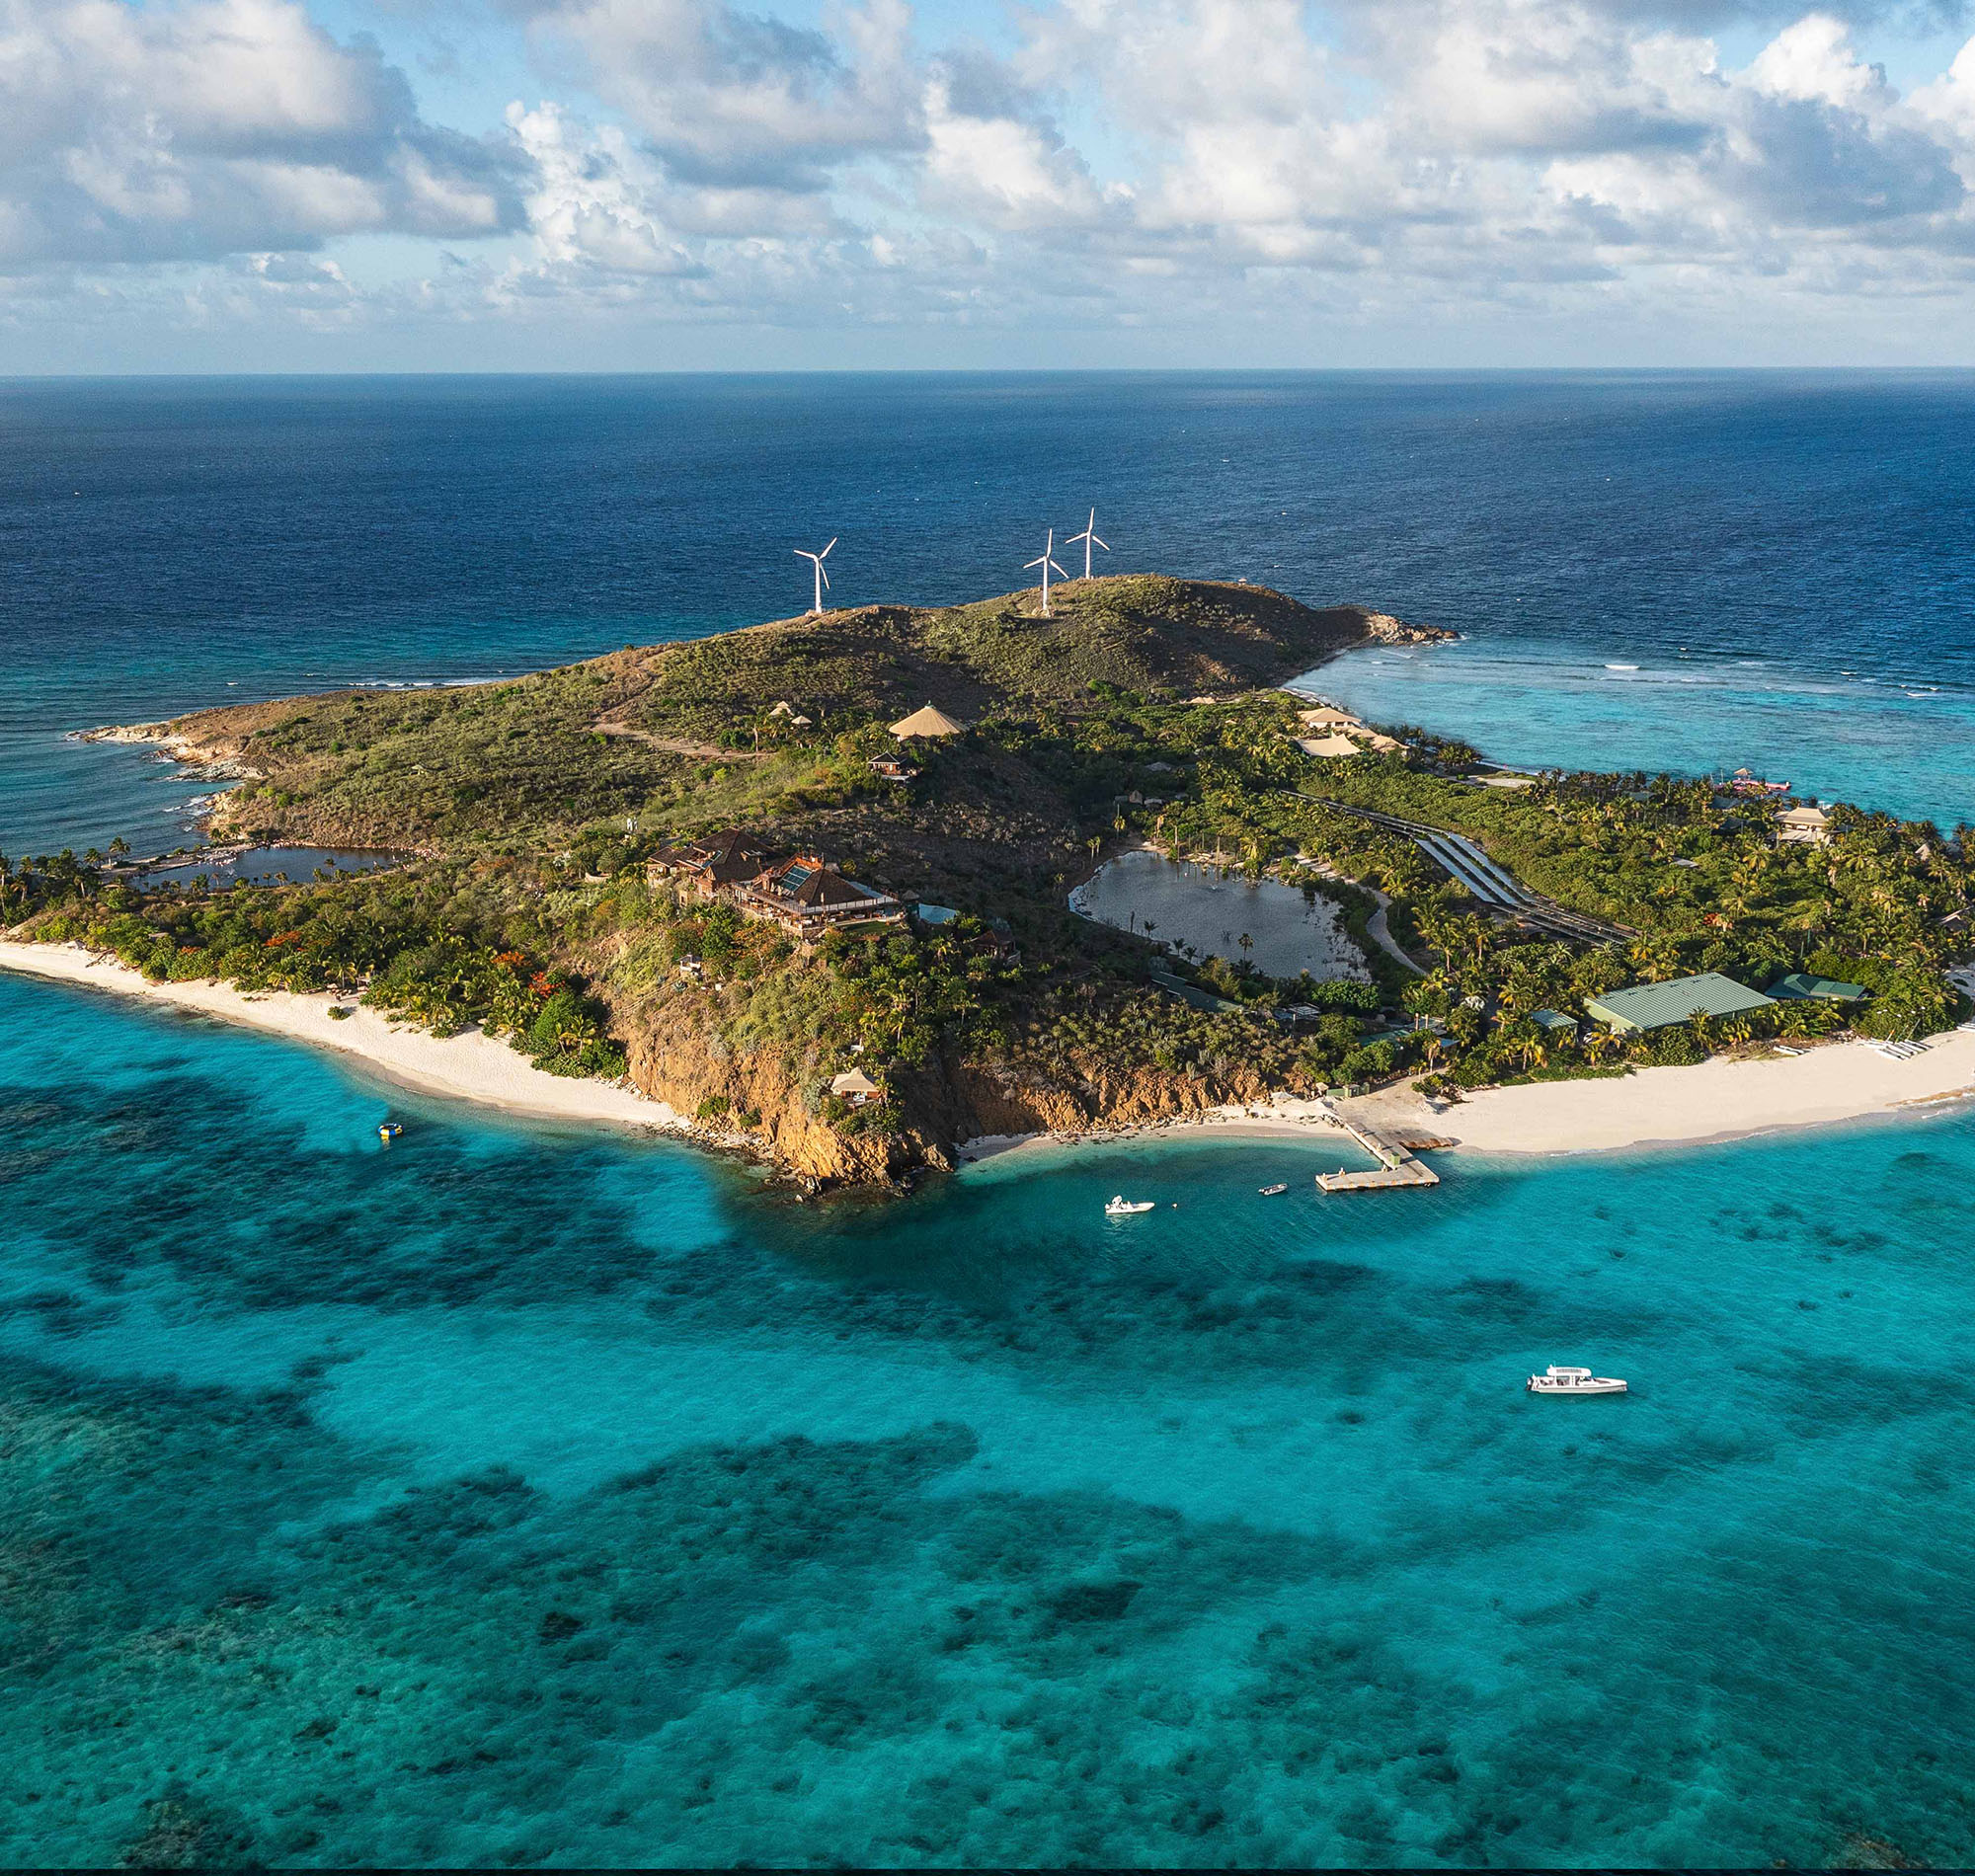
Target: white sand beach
point(1718, 1100)
point(469, 1066)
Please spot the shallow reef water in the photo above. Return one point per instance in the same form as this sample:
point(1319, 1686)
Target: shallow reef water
point(512, 1495)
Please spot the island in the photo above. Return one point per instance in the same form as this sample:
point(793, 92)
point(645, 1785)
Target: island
point(856, 890)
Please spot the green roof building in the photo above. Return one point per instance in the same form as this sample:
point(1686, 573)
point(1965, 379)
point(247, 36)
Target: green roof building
point(1553, 1020)
point(1800, 984)
point(1660, 1005)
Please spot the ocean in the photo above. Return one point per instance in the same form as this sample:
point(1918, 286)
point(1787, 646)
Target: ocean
point(515, 1494)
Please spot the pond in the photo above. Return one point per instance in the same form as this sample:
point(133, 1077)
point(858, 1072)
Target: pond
point(265, 866)
point(1191, 908)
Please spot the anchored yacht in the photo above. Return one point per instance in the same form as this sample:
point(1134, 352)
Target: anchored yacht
point(1573, 1381)
point(1123, 1208)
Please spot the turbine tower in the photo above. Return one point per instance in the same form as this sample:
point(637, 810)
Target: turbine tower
point(1045, 564)
point(822, 578)
point(1089, 539)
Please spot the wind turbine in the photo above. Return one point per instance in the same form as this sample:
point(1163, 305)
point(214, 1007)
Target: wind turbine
point(1045, 564)
point(1089, 539)
point(822, 578)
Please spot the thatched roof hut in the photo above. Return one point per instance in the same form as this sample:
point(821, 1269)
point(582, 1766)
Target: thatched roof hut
point(928, 721)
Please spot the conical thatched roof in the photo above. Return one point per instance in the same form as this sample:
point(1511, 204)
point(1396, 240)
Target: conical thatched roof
point(928, 721)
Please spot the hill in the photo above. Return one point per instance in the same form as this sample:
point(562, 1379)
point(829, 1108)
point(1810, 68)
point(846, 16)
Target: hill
point(546, 899)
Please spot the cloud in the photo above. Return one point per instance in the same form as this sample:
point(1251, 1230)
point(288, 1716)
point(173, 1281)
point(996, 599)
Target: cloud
point(1201, 164)
point(193, 131)
point(740, 100)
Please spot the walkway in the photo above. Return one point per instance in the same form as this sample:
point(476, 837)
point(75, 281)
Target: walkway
point(1472, 868)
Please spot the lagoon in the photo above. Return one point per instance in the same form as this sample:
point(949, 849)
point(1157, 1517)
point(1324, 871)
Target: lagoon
point(1203, 912)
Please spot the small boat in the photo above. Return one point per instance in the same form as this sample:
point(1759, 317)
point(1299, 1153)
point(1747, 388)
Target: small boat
point(388, 1130)
point(1122, 1206)
point(1573, 1381)
point(1270, 1192)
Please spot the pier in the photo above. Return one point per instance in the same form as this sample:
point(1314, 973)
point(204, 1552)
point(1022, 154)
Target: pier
point(1396, 1165)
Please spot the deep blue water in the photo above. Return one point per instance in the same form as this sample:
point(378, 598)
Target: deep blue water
point(169, 544)
point(526, 1495)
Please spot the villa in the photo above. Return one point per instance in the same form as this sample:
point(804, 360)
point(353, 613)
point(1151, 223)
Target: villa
point(1800, 986)
point(1648, 1006)
point(709, 866)
point(855, 1088)
point(1809, 826)
point(809, 899)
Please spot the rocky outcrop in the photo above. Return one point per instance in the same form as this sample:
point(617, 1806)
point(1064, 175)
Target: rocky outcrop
point(1383, 629)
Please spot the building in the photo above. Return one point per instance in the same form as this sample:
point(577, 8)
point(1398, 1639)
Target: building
point(892, 769)
point(855, 1087)
point(1809, 826)
point(1554, 1022)
point(1647, 1006)
point(928, 721)
point(710, 866)
point(1800, 986)
point(809, 899)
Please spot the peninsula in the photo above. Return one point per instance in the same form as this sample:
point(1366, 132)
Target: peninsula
point(807, 885)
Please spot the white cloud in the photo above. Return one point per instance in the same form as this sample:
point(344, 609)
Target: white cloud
point(1201, 164)
point(739, 98)
point(135, 133)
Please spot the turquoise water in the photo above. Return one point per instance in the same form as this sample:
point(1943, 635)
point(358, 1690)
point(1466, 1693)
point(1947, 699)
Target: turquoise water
point(1895, 739)
point(508, 1495)
point(518, 1495)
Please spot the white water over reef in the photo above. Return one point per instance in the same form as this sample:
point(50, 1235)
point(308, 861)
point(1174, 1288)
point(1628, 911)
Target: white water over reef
point(1193, 907)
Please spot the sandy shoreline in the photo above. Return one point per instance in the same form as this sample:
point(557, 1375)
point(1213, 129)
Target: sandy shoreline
point(468, 1066)
point(1715, 1101)
point(1718, 1100)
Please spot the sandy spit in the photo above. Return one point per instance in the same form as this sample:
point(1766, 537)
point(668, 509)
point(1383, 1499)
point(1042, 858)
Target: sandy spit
point(468, 1066)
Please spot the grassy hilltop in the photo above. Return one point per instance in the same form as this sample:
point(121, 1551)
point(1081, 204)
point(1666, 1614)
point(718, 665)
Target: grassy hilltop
point(542, 758)
point(1143, 711)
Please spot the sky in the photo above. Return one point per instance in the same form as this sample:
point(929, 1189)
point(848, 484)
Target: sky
point(686, 185)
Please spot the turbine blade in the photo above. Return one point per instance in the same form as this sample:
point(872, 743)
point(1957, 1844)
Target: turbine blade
point(1095, 542)
point(824, 571)
point(825, 554)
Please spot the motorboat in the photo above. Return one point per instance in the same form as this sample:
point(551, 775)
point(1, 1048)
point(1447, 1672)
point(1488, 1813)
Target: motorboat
point(1123, 1208)
point(1573, 1381)
point(1270, 1192)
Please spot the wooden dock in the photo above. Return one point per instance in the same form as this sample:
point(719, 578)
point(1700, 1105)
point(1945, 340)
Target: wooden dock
point(1396, 1165)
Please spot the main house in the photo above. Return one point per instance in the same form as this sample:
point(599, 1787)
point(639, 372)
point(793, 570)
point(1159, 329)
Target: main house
point(1649, 1006)
point(802, 893)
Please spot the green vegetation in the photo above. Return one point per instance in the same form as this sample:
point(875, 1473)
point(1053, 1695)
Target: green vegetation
point(531, 807)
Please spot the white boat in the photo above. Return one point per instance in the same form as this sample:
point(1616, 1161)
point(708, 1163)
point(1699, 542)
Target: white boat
point(1573, 1381)
point(1122, 1206)
point(1269, 1191)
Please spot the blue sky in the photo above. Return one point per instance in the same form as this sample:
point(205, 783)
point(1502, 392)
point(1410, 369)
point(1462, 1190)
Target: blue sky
point(419, 185)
